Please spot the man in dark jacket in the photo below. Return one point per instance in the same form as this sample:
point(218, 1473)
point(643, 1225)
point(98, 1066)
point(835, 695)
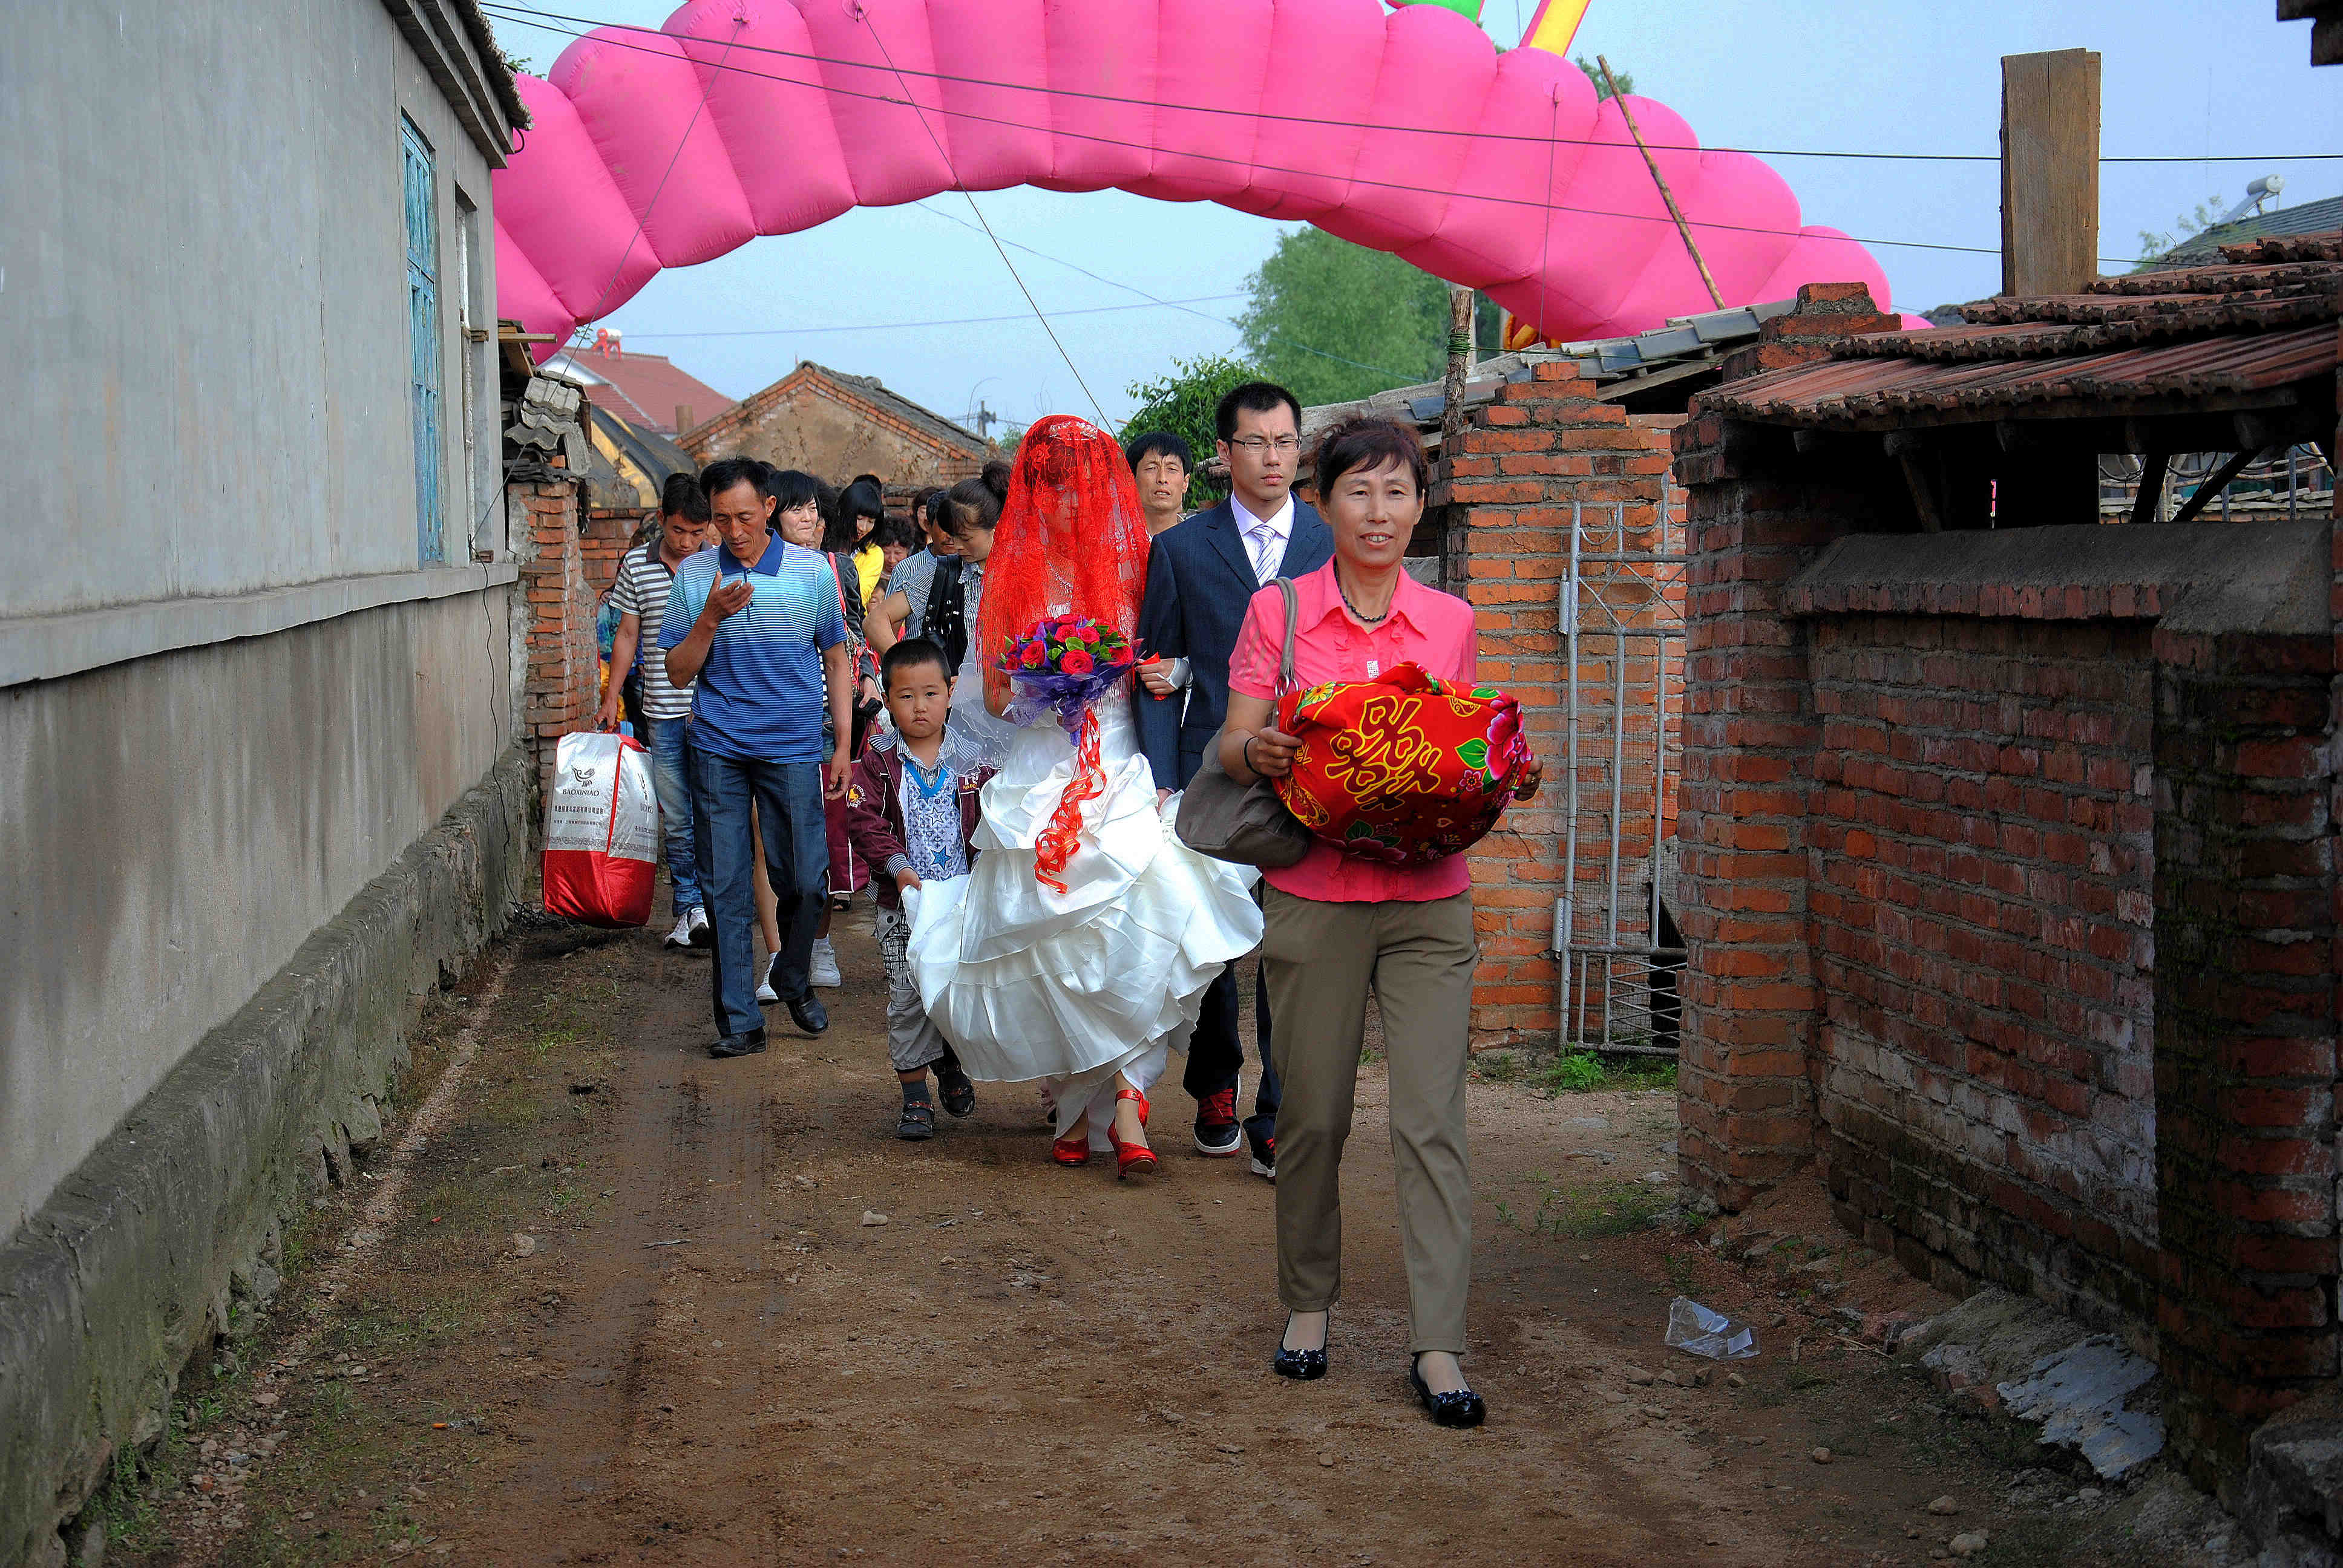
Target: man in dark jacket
point(1200, 574)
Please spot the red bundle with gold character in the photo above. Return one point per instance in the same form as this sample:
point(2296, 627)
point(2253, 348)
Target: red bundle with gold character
point(1404, 770)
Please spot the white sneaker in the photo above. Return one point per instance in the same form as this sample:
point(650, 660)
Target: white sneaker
point(824, 968)
point(703, 935)
point(766, 994)
point(681, 935)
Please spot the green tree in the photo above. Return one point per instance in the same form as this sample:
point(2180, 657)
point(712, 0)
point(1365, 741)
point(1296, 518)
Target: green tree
point(1626, 79)
point(1335, 321)
point(2152, 244)
point(1184, 403)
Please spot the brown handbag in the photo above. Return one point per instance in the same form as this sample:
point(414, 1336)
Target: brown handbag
point(1245, 823)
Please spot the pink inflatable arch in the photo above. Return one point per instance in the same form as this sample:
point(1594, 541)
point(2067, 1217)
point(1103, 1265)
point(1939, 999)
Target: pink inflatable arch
point(1406, 130)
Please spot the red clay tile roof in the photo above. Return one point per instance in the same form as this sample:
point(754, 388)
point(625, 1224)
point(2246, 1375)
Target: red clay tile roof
point(2249, 329)
point(645, 388)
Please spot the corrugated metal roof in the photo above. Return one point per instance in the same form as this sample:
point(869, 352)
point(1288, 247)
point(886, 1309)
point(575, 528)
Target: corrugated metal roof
point(1610, 360)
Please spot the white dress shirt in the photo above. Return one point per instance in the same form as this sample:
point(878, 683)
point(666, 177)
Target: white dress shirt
point(1266, 537)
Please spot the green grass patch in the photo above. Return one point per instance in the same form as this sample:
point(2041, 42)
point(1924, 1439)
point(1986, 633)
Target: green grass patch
point(1621, 1209)
point(1587, 1071)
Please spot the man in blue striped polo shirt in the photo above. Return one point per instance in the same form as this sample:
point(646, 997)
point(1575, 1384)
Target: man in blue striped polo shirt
point(755, 624)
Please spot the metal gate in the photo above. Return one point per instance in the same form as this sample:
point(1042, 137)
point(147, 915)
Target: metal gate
point(1617, 951)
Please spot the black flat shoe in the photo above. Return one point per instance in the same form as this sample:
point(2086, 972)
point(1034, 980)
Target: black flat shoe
point(1304, 1366)
point(958, 1093)
point(1462, 1408)
point(918, 1123)
point(809, 1014)
point(748, 1042)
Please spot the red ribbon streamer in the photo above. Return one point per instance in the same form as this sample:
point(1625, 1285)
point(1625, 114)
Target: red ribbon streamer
point(1055, 847)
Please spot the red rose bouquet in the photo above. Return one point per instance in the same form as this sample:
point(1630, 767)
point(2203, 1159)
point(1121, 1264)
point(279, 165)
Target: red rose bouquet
point(1064, 665)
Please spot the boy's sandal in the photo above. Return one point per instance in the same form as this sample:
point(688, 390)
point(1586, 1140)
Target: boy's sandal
point(918, 1123)
point(960, 1094)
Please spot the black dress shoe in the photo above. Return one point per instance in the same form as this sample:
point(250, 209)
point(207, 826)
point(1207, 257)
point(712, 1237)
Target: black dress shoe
point(1460, 1408)
point(748, 1043)
point(1304, 1366)
point(809, 1014)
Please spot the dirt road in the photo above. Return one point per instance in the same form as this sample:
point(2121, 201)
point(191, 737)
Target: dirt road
point(636, 1306)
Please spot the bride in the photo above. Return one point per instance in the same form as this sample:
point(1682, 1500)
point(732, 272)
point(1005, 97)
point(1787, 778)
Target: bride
point(1088, 988)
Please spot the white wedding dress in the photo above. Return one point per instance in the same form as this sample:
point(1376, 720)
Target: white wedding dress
point(1103, 978)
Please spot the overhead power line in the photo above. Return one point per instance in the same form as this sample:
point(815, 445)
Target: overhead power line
point(1403, 376)
point(530, 14)
point(970, 196)
point(955, 321)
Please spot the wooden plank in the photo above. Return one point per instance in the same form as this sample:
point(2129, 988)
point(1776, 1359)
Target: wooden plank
point(2049, 171)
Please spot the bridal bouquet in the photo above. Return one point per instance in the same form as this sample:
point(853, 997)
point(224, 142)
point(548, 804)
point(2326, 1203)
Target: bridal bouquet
point(1064, 665)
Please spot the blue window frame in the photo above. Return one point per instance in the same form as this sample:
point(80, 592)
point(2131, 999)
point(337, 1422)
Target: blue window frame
point(423, 337)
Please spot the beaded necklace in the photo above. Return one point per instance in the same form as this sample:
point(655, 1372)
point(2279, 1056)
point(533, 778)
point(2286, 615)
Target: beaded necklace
point(1355, 610)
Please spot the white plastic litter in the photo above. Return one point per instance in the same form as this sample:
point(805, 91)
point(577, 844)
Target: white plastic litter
point(1693, 1327)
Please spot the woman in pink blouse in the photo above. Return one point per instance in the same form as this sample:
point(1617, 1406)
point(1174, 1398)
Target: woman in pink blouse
point(1336, 925)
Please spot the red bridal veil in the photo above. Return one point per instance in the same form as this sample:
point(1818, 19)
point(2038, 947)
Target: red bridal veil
point(1071, 541)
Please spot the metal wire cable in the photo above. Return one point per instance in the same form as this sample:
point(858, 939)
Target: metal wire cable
point(862, 15)
point(529, 15)
point(956, 321)
point(1201, 315)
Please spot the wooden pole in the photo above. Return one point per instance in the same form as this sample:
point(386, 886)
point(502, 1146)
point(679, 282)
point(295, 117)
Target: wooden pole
point(2049, 171)
point(1460, 362)
point(1683, 229)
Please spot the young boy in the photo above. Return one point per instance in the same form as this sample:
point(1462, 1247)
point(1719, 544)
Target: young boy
point(911, 810)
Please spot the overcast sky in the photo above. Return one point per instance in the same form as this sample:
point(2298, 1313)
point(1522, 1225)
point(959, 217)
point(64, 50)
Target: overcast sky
point(2181, 78)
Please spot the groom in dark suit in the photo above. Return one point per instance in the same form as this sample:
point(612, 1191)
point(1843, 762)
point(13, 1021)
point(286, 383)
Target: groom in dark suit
point(1200, 574)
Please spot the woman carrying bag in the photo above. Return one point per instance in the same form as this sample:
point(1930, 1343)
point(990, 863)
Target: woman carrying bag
point(1337, 924)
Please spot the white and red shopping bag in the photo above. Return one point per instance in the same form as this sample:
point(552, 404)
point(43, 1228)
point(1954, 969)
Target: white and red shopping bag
point(601, 831)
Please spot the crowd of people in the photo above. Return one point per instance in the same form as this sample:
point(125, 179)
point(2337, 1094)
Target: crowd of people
point(820, 686)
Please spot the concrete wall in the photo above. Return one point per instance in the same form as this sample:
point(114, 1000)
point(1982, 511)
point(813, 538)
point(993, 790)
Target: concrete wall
point(176, 826)
point(168, 1235)
point(230, 693)
point(203, 329)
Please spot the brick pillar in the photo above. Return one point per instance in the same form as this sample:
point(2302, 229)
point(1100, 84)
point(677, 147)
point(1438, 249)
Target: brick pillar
point(564, 660)
point(1521, 461)
point(604, 537)
point(1755, 517)
point(2245, 1054)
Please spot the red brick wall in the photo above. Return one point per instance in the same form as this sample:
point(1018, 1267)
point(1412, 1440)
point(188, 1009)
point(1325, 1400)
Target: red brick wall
point(1980, 840)
point(2011, 888)
point(608, 533)
point(564, 660)
point(2245, 1028)
point(1521, 461)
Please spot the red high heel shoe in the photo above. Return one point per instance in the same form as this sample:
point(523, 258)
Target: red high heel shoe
point(1073, 1151)
point(1132, 1158)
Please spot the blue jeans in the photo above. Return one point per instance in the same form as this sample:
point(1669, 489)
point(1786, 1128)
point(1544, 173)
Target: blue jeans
point(671, 744)
point(787, 799)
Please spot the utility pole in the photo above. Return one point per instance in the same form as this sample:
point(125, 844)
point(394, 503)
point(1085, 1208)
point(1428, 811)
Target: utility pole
point(2049, 171)
point(1683, 229)
point(1460, 362)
